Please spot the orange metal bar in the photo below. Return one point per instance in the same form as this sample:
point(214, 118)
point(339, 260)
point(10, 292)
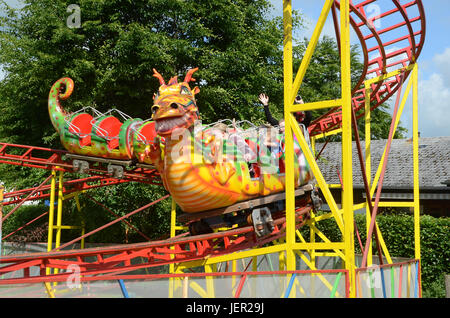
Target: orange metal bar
point(23, 201)
point(112, 222)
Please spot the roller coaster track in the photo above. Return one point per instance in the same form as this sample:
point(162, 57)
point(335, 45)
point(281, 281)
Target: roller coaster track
point(53, 159)
point(116, 259)
point(391, 40)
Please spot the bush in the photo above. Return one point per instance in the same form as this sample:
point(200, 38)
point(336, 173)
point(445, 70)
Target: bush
point(36, 232)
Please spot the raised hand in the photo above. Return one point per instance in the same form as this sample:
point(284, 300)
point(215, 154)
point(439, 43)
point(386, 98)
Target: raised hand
point(264, 99)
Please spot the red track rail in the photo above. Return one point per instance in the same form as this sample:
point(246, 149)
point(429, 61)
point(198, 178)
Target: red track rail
point(70, 186)
point(53, 159)
point(113, 259)
point(390, 41)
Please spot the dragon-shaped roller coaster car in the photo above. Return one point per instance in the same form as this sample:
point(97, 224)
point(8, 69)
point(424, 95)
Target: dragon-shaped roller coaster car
point(204, 167)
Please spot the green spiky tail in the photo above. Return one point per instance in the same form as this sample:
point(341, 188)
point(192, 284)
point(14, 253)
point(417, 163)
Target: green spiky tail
point(61, 90)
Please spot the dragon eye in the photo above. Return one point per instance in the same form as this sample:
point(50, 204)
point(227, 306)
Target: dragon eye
point(185, 91)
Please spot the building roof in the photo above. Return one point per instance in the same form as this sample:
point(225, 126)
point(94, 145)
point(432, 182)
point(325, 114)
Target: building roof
point(434, 162)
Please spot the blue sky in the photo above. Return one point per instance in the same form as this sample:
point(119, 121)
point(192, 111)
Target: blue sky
point(434, 63)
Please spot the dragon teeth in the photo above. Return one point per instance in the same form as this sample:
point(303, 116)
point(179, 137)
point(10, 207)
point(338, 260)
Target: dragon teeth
point(167, 124)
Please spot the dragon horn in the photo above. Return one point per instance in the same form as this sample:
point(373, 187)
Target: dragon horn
point(159, 76)
point(188, 77)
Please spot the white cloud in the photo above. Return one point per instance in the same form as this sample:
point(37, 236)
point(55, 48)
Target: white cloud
point(434, 98)
point(434, 105)
point(442, 61)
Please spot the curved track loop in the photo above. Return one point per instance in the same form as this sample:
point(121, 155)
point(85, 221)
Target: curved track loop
point(390, 40)
point(392, 35)
point(117, 259)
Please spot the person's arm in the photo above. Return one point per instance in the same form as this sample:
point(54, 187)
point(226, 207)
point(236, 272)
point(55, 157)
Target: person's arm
point(308, 114)
point(308, 118)
point(265, 101)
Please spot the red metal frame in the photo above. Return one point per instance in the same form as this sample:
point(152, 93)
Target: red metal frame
point(52, 159)
point(70, 186)
point(113, 259)
point(384, 90)
point(413, 261)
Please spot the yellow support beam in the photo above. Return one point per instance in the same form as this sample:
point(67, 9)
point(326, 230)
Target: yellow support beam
point(415, 76)
point(368, 139)
point(234, 256)
point(51, 213)
point(173, 282)
point(289, 141)
point(316, 171)
point(399, 114)
point(320, 246)
point(316, 105)
point(66, 227)
point(326, 240)
point(59, 210)
point(384, 77)
point(173, 218)
point(347, 172)
point(311, 47)
point(396, 204)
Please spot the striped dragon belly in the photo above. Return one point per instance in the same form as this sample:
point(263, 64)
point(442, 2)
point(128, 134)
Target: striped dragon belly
point(193, 193)
point(198, 186)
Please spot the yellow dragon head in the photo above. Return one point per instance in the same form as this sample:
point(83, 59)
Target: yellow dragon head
point(174, 104)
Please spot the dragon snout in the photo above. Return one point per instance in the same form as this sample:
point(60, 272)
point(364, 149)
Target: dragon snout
point(169, 109)
point(155, 108)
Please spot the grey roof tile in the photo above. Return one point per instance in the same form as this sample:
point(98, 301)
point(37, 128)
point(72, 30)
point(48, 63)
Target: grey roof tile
point(434, 162)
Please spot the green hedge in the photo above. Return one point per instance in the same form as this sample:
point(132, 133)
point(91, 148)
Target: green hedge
point(398, 233)
point(36, 232)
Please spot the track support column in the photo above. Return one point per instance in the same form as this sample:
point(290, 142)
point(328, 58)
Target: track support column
point(347, 173)
point(368, 138)
point(289, 141)
point(415, 79)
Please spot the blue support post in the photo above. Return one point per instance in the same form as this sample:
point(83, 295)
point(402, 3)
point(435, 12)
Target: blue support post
point(291, 283)
point(123, 289)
